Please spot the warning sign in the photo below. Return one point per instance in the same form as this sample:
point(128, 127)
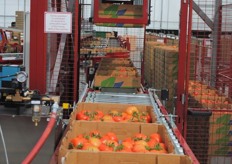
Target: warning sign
point(58, 22)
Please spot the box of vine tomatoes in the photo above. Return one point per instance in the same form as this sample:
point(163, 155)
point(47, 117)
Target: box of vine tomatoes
point(79, 157)
point(110, 112)
point(105, 142)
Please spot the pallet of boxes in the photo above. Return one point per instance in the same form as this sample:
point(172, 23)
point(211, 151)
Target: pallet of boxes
point(219, 123)
point(103, 133)
point(161, 68)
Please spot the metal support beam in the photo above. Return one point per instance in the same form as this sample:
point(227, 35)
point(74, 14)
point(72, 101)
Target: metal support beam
point(203, 16)
point(38, 44)
point(59, 56)
point(182, 65)
point(216, 42)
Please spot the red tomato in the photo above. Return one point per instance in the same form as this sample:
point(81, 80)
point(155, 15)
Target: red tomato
point(152, 142)
point(156, 136)
point(104, 147)
point(129, 139)
point(123, 148)
point(81, 116)
point(78, 142)
point(117, 118)
point(127, 145)
point(112, 136)
point(98, 115)
point(139, 148)
point(145, 117)
point(104, 139)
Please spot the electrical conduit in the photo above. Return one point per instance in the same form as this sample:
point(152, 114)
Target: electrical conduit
point(44, 136)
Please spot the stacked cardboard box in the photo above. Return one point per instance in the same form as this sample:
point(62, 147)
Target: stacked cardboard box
point(19, 19)
point(116, 73)
point(208, 97)
point(220, 134)
point(166, 70)
point(149, 62)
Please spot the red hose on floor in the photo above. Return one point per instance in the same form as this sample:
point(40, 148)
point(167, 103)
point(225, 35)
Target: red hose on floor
point(41, 141)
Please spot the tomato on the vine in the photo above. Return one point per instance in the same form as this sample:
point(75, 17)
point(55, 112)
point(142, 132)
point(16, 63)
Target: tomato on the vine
point(78, 142)
point(156, 136)
point(145, 117)
point(112, 136)
point(104, 147)
point(98, 115)
point(117, 118)
point(95, 133)
point(140, 136)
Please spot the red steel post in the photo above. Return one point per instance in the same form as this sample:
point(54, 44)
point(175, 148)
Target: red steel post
point(38, 43)
point(182, 65)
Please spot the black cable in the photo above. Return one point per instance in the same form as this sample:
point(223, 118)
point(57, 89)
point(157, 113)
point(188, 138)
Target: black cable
point(1, 77)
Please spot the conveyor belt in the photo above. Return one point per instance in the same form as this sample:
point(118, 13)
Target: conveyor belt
point(122, 98)
point(140, 99)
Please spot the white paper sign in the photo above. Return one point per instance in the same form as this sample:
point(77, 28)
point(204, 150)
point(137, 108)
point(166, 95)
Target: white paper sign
point(58, 22)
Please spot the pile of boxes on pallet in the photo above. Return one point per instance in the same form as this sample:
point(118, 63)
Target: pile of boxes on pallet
point(219, 127)
point(117, 73)
point(220, 131)
point(161, 68)
point(122, 130)
point(204, 96)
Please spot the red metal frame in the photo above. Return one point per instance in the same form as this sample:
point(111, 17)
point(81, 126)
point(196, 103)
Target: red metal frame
point(76, 51)
point(142, 20)
point(180, 110)
point(178, 134)
point(38, 45)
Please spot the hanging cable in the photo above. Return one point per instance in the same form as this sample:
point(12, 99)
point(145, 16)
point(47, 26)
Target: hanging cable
point(4, 145)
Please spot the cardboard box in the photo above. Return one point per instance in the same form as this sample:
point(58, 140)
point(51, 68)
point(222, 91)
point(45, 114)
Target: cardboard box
point(78, 157)
point(122, 130)
point(107, 107)
point(117, 82)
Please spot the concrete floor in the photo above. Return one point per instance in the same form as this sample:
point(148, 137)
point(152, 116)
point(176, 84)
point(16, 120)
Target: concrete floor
point(21, 135)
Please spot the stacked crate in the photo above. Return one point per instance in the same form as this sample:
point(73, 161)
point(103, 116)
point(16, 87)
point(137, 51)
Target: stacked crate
point(220, 134)
point(166, 71)
point(215, 131)
point(149, 62)
point(19, 19)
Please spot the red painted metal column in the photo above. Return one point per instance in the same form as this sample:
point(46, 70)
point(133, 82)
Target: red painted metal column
point(182, 66)
point(76, 50)
point(38, 43)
